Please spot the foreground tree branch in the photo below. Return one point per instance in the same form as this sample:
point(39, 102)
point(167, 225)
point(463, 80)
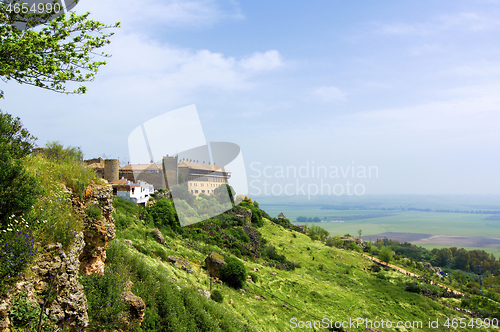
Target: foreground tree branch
point(57, 51)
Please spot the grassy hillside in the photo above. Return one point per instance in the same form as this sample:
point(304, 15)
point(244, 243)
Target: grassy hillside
point(327, 282)
point(293, 281)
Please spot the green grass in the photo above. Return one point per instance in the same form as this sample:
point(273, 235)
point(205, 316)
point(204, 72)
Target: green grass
point(332, 283)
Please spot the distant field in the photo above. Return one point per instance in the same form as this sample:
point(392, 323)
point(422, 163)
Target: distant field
point(417, 222)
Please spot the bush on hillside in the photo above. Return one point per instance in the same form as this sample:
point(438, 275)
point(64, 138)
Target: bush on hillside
point(18, 188)
point(317, 233)
point(104, 297)
point(217, 296)
point(413, 287)
point(254, 276)
point(163, 214)
point(233, 272)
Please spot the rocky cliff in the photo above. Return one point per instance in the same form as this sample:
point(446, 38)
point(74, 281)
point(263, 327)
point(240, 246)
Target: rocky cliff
point(98, 231)
point(52, 281)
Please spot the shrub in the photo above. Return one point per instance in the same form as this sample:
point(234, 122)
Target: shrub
point(217, 296)
point(254, 276)
point(353, 246)
point(376, 268)
point(413, 287)
point(233, 272)
point(335, 241)
point(236, 252)
point(93, 212)
point(24, 313)
point(316, 232)
point(161, 253)
point(163, 214)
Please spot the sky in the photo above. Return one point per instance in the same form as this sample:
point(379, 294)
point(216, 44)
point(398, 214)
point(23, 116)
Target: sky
point(323, 97)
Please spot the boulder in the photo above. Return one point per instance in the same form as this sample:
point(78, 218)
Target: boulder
point(158, 236)
point(179, 262)
point(213, 264)
point(136, 305)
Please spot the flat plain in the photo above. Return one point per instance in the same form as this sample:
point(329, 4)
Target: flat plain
point(426, 228)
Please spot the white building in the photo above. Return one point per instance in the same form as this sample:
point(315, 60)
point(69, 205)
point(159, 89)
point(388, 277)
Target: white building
point(138, 193)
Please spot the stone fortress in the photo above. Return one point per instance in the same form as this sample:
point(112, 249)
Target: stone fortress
point(200, 177)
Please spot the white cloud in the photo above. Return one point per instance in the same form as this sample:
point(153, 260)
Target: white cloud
point(329, 93)
point(453, 22)
point(262, 61)
point(161, 68)
point(173, 13)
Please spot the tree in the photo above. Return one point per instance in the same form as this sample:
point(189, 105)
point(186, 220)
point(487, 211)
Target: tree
point(301, 219)
point(247, 200)
point(18, 189)
point(60, 50)
point(55, 151)
point(386, 254)
point(442, 257)
point(462, 260)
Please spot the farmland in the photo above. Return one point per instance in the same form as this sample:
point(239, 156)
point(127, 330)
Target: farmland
point(436, 229)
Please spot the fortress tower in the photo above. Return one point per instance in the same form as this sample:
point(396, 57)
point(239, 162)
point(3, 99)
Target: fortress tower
point(111, 169)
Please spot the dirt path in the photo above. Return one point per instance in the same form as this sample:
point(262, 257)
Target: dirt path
point(408, 273)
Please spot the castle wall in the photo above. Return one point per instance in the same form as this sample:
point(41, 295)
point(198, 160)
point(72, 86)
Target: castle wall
point(170, 171)
point(156, 179)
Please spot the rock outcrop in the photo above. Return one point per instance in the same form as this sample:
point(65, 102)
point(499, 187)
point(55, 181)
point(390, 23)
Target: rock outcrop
point(136, 305)
point(98, 232)
point(245, 214)
point(255, 240)
point(53, 275)
point(213, 264)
